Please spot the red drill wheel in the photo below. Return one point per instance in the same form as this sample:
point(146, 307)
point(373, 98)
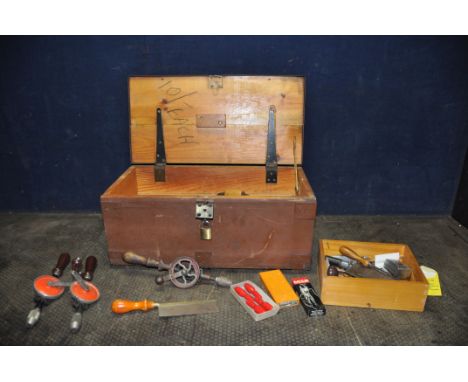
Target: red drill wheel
point(43, 289)
point(85, 296)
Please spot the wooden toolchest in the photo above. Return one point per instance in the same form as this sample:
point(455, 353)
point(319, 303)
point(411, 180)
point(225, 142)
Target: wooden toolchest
point(216, 174)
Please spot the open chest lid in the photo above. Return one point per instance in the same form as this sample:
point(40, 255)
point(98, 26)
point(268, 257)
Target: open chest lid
point(216, 119)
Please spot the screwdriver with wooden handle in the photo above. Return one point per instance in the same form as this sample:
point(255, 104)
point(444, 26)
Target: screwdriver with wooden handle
point(168, 309)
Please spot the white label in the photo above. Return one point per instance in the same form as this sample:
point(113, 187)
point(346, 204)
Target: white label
point(380, 259)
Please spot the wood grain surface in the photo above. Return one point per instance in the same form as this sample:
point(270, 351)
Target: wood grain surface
point(243, 100)
point(372, 293)
point(255, 225)
point(246, 233)
point(211, 181)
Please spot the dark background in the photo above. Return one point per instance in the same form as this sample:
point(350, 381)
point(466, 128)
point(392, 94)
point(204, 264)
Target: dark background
point(386, 117)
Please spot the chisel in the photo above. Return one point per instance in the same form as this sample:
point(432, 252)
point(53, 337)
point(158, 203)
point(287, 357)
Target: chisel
point(348, 252)
point(168, 309)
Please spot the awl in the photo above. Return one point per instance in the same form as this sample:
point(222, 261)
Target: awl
point(167, 309)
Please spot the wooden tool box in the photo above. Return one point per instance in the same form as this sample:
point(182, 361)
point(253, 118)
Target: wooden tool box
point(216, 174)
point(408, 294)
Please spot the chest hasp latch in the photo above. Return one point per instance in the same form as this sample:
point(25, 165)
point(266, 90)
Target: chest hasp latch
point(204, 211)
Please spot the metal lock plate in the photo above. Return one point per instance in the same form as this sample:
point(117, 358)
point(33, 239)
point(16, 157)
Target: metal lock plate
point(204, 210)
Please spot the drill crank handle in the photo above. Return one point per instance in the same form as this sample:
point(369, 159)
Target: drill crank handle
point(133, 258)
point(80, 280)
point(121, 306)
point(90, 267)
point(62, 263)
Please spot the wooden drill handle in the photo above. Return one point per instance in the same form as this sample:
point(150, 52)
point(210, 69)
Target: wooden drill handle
point(124, 306)
point(348, 252)
point(62, 263)
point(133, 258)
point(90, 267)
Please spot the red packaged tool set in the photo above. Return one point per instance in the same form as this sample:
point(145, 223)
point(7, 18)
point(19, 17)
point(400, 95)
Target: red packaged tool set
point(254, 300)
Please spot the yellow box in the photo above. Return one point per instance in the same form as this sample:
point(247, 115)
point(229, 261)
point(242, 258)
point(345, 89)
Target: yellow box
point(279, 288)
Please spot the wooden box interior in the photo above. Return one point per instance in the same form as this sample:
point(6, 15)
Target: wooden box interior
point(210, 182)
point(239, 103)
point(372, 293)
point(226, 160)
point(256, 225)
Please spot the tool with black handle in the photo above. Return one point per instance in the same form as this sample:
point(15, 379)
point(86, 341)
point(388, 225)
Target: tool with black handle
point(62, 263)
point(76, 264)
point(90, 267)
point(80, 277)
point(45, 293)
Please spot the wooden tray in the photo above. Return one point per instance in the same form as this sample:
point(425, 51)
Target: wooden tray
point(372, 293)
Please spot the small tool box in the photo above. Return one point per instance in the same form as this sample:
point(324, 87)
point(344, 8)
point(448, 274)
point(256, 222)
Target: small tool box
point(216, 174)
point(373, 293)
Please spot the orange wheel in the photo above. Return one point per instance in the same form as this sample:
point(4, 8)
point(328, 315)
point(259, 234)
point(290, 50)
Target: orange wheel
point(43, 289)
point(85, 296)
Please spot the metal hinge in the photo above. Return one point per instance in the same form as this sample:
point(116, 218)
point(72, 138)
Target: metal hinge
point(160, 163)
point(271, 157)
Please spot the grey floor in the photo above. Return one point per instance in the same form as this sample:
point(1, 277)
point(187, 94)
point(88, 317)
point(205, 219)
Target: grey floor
point(30, 244)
